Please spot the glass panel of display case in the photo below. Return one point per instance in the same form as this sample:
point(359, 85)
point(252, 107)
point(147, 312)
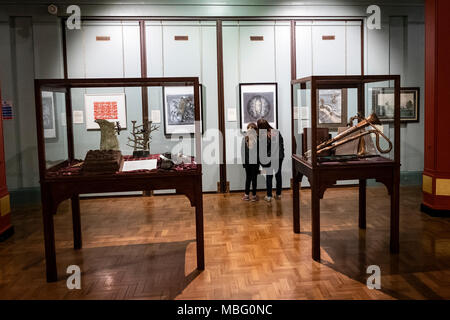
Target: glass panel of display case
point(336, 104)
point(117, 105)
point(379, 110)
point(112, 118)
point(55, 127)
point(302, 118)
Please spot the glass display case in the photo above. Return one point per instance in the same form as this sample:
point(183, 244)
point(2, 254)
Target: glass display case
point(95, 136)
point(71, 114)
point(343, 118)
point(346, 128)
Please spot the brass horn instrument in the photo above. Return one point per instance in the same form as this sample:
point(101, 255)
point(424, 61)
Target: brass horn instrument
point(343, 137)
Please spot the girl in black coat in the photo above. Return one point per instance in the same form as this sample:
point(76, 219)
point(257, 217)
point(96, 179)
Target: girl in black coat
point(271, 157)
point(250, 161)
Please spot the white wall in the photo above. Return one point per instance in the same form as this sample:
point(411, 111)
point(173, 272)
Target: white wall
point(196, 57)
point(247, 61)
point(31, 48)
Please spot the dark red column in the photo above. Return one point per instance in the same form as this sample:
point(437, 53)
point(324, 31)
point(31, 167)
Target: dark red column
point(436, 174)
point(6, 228)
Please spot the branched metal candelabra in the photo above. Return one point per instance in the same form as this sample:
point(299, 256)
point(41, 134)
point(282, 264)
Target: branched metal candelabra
point(141, 138)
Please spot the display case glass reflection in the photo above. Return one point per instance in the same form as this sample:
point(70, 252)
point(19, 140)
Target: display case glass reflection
point(109, 129)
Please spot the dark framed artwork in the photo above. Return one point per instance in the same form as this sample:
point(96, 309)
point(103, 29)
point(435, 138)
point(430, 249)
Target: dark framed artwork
point(332, 108)
point(179, 109)
point(258, 101)
point(383, 104)
point(48, 115)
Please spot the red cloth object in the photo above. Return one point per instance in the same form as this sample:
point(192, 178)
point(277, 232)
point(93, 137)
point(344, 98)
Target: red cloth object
point(70, 170)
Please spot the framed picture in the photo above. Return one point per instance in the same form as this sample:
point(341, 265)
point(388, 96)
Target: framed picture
point(109, 107)
point(258, 101)
point(179, 109)
point(383, 104)
point(48, 115)
point(332, 108)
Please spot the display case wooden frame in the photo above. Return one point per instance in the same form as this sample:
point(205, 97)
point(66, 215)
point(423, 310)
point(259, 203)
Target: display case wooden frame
point(324, 175)
point(55, 189)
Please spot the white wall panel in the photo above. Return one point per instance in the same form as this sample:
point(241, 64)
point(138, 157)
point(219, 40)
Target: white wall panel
point(24, 98)
point(154, 43)
point(257, 58)
point(196, 57)
point(397, 42)
point(182, 58)
point(378, 50)
point(353, 49)
point(316, 56)
point(329, 56)
point(211, 173)
point(283, 72)
point(48, 63)
point(231, 65)
point(304, 50)
point(104, 59)
point(131, 50)
point(76, 65)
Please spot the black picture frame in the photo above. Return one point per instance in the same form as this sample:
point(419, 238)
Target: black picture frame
point(344, 110)
point(415, 105)
point(164, 112)
point(242, 87)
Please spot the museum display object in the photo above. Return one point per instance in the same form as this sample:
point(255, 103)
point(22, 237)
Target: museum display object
point(258, 101)
point(352, 153)
point(353, 133)
point(332, 108)
point(383, 104)
point(113, 168)
point(179, 109)
point(141, 138)
point(108, 136)
point(108, 107)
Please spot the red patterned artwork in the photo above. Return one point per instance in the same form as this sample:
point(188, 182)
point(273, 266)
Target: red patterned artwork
point(106, 110)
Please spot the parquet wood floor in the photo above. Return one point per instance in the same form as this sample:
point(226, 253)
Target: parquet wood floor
point(144, 248)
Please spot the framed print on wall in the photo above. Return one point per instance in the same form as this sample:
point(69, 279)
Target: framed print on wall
point(179, 109)
point(48, 115)
point(258, 100)
point(109, 107)
point(332, 108)
point(383, 104)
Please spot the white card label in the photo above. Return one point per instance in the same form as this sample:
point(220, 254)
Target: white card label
point(156, 116)
point(231, 114)
point(78, 117)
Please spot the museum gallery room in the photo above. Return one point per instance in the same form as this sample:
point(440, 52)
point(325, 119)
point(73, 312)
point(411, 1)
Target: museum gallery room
point(225, 150)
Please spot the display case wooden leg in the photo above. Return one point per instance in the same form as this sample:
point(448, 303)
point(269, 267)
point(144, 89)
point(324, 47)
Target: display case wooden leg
point(199, 227)
point(315, 210)
point(48, 210)
point(296, 182)
point(362, 203)
point(395, 216)
point(76, 222)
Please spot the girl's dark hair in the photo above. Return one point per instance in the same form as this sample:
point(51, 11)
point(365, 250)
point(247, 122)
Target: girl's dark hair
point(264, 125)
point(253, 126)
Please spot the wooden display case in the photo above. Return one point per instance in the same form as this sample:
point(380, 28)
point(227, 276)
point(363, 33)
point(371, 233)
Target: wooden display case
point(63, 180)
point(322, 175)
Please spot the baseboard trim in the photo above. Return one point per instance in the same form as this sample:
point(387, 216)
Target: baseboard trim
point(434, 212)
point(7, 234)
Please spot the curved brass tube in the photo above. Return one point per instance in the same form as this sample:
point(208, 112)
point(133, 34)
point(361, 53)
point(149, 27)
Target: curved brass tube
point(339, 139)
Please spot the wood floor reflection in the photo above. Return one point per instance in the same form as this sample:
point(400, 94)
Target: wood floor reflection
point(144, 248)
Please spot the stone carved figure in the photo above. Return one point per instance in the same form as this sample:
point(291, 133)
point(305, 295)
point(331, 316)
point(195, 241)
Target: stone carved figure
point(108, 139)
